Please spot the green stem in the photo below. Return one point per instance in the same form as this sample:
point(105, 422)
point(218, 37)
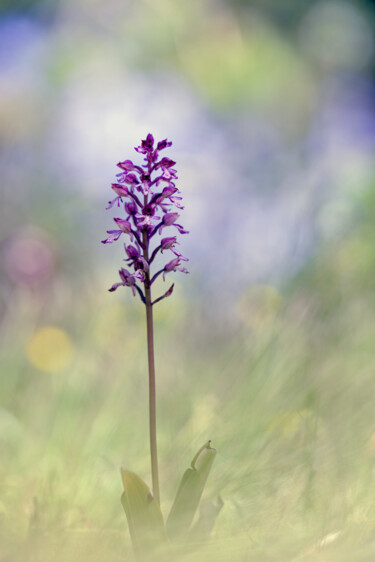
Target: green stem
point(151, 380)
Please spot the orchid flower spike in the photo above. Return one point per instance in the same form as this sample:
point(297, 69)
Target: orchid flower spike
point(150, 199)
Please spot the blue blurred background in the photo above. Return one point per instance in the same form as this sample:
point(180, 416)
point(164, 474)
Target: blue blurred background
point(267, 346)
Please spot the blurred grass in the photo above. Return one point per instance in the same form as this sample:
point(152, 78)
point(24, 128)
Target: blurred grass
point(287, 399)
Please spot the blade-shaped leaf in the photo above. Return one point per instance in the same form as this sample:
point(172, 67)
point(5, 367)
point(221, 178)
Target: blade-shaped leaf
point(208, 513)
point(190, 491)
point(143, 513)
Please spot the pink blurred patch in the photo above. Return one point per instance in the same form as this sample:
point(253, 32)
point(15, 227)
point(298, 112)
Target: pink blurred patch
point(29, 257)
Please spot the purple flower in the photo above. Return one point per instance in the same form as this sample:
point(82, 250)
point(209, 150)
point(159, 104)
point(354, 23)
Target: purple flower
point(128, 280)
point(147, 216)
point(145, 187)
point(135, 258)
point(133, 252)
point(179, 255)
point(145, 220)
point(148, 211)
point(176, 200)
point(181, 229)
point(169, 173)
point(167, 243)
point(174, 265)
point(131, 208)
point(114, 235)
point(146, 145)
point(168, 220)
point(124, 227)
point(167, 193)
point(131, 179)
point(163, 144)
point(126, 165)
point(121, 190)
point(165, 163)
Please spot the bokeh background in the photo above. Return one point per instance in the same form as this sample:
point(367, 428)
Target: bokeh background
point(267, 347)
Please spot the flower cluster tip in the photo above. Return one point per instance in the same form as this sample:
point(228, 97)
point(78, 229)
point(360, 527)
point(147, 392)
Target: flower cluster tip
point(149, 197)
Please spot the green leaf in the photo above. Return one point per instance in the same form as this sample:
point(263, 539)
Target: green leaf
point(190, 491)
point(208, 512)
point(143, 513)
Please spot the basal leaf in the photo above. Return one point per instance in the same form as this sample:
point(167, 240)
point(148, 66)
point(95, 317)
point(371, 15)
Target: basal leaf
point(190, 491)
point(143, 513)
point(208, 512)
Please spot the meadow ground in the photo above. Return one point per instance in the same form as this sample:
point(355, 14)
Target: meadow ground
point(285, 393)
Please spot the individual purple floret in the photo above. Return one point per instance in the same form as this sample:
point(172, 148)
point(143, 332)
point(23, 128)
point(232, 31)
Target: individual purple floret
point(148, 195)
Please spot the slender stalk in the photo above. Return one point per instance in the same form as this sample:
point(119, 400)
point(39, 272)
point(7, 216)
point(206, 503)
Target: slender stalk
point(151, 379)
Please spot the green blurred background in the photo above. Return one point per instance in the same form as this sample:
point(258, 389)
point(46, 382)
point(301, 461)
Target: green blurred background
point(267, 347)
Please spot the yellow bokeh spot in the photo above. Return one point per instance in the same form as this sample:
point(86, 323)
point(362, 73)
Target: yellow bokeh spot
point(49, 349)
